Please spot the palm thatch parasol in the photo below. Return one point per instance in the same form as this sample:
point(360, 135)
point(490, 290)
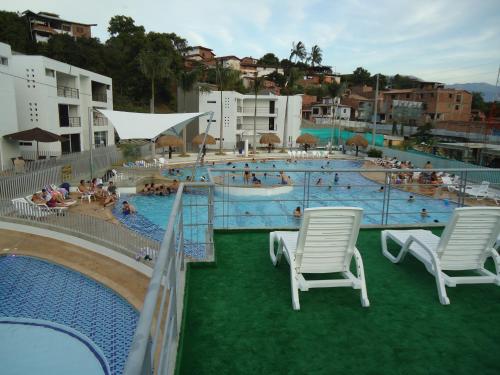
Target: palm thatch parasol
point(198, 140)
point(169, 141)
point(358, 141)
point(307, 139)
point(269, 139)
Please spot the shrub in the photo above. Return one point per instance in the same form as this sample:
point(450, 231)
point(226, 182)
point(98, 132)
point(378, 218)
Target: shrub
point(374, 153)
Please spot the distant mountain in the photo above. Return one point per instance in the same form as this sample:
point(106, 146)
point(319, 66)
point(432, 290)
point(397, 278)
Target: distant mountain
point(486, 89)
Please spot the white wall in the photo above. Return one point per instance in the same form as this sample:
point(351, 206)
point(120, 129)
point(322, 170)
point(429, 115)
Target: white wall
point(231, 100)
point(37, 99)
point(8, 114)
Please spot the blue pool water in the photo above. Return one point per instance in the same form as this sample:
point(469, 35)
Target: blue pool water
point(262, 212)
point(36, 289)
point(30, 346)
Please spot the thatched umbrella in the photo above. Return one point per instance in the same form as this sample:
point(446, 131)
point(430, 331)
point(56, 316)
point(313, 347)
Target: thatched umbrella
point(169, 141)
point(358, 141)
point(269, 139)
point(307, 139)
point(198, 140)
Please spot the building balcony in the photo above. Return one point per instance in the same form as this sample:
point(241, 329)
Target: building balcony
point(99, 97)
point(261, 111)
point(71, 122)
point(100, 121)
point(68, 92)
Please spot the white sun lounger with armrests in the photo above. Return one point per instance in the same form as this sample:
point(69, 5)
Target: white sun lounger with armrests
point(326, 243)
point(467, 241)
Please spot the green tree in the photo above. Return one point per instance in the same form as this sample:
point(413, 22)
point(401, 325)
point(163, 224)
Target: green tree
point(360, 76)
point(298, 52)
point(123, 25)
point(186, 81)
point(14, 30)
point(270, 60)
point(478, 101)
point(316, 56)
point(155, 60)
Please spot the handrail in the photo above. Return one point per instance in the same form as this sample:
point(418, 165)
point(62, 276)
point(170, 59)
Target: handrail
point(137, 356)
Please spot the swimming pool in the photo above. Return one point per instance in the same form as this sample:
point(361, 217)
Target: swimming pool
point(232, 211)
point(36, 289)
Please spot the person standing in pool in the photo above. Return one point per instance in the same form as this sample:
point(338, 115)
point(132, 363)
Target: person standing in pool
point(246, 174)
point(336, 178)
point(297, 213)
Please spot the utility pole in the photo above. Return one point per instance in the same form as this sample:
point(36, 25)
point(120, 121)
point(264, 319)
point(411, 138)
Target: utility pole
point(375, 113)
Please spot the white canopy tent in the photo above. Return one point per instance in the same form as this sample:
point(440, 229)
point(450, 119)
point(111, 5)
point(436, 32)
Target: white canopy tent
point(133, 125)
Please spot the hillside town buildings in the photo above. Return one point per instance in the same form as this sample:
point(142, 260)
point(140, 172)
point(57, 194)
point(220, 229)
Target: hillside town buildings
point(44, 24)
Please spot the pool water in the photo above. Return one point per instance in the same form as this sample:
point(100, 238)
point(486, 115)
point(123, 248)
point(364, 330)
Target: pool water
point(36, 289)
point(232, 211)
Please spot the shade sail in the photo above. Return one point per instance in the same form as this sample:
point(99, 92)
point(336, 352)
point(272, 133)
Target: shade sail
point(133, 125)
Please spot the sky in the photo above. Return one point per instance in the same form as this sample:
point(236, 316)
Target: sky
point(450, 41)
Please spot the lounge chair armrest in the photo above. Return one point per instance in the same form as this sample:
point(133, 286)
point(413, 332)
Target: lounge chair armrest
point(431, 252)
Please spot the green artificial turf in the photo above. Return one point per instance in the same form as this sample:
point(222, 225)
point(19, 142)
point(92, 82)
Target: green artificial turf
point(239, 319)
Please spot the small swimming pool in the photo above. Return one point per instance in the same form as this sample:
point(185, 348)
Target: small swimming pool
point(32, 288)
point(351, 189)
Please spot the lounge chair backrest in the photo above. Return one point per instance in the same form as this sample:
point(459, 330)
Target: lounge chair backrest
point(327, 239)
point(468, 237)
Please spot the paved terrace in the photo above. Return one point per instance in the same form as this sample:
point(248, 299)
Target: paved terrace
point(239, 318)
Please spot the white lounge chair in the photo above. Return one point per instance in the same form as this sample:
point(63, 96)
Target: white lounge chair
point(117, 176)
point(466, 242)
point(478, 191)
point(27, 208)
point(326, 243)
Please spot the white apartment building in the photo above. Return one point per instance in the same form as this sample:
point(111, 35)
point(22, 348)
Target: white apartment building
point(8, 118)
point(323, 113)
point(238, 116)
point(62, 99)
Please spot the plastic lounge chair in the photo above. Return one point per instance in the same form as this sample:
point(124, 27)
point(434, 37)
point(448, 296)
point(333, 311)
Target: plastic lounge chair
point(478, 191)
point(326, 243)
point(27, 208)
point(494, 196)
point(85, 195)
point(117, 176)
point(466, 242)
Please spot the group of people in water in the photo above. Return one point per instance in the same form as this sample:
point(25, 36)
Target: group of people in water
point(162, 189)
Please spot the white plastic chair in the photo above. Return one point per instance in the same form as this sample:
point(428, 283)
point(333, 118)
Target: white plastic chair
point(85, 195)
point(478, 191)
point(326, 243)
point(466, 242)
point(117, 176)
point(304, 154)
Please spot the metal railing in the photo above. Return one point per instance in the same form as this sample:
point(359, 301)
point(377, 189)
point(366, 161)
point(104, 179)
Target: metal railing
point(68, 92)
point(99, 97)
point(94, 229)
point(261, 111)
point(383, 193)
point(73, 122)
point(156, 339)
point(28, 183)
point(102, 158)
point(100, 121)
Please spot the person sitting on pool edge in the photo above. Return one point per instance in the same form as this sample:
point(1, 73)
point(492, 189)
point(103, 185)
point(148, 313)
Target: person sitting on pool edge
point(297, 212)
point(127, 208)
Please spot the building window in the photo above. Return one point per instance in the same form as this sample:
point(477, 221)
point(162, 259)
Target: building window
point(211, 101)
point(4, 61)
point(450, 96)
point(458, 99)
point(457, 107)
point(213, 120)
point(407, 96)
point(49, 72)
point(25, 144)
point(315, 110)
point(101, 139)
point(271, 123)
point(79, 29)
point(66, 27)
point(393, 96)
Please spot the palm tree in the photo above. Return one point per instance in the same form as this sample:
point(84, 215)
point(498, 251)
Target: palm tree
point(154, 64)
point(257, 83)
point(299, 53)
point(316, 55)
point(186, 81)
